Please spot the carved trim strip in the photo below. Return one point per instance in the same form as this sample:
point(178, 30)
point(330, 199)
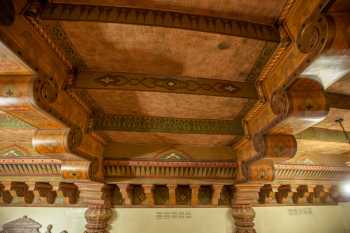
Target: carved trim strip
point(314, 172)
point(125, 15)
point(30, 167)
point(208, 170)
point(166, 124)
point(157, 83)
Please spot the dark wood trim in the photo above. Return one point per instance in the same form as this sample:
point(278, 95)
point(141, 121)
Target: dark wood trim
point(158, 18)
point(169, 84)
point(167, 125)
point(338, 100)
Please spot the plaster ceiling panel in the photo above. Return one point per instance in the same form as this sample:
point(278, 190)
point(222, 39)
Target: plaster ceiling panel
point(10, 64)
point(251, 10)
point(321, 153)
point(335, 113)
point(170, 139)
point(342, 86)
point(163, 51)
point(167, 105)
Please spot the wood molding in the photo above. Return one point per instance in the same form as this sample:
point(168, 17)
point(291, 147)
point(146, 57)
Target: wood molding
point(166, 124)
point(118, 169)
point(160, 83)
point(311, 172)
point(158, 18)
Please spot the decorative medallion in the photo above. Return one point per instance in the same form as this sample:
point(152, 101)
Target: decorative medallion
point(280, 103)
point(75, 137)
point(45, 90)
point(315, 34)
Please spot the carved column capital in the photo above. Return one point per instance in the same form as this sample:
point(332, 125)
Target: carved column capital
point(98, 198)
point(97, 218)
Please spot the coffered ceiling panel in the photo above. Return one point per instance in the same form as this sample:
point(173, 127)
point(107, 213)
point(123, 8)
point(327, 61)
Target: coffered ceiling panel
point(322, 153)
point(167, 105)
point(163, 51)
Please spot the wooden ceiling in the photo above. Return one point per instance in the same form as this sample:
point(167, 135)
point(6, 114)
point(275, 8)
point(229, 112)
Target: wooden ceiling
point(166, 74)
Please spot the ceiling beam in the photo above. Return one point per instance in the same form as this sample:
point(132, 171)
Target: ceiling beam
point(149, 17)
point(320, 134)
point(167, 125)
point(168, 84)
point(338, 100)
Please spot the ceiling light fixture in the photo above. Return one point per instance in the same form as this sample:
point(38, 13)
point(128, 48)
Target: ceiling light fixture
point(340, 122)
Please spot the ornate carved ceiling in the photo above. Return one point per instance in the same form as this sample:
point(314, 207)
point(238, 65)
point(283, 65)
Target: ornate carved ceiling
point(197, 91)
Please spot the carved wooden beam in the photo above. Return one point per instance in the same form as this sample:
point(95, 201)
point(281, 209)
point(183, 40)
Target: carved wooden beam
point(167, 124)
point(169, 84)
point(40, 100)
point(149, 17)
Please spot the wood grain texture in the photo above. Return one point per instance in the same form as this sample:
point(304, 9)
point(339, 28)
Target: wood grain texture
point(170, 139)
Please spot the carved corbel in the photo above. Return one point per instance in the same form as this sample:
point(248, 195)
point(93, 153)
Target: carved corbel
point(284, 194)
point(58, 143)
point(266, 194)
point(300, 194)
point(20, 193)
point(65, 193)
point(298, 107)
point(29, 98)
point(7, 194)
point(43, 192)
point(242, 211)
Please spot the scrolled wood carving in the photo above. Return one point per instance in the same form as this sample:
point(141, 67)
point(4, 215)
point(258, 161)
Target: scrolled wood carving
point(45, 90)
point(316, 34)
point(280, 103)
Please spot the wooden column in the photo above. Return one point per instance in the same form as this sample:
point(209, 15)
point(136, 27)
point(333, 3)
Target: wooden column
point(242, 210)
point(148, 189)
point(194, 195)
point(124, 190)
point(217, 188)
point(172, 194)
point(99, 212)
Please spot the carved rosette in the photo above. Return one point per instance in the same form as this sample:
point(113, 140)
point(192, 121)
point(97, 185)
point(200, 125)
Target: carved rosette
point(280, 103)
point(316, 34)
point(97, 217)
point(74, 138)
point(244, 218)
point(7, 12)
point(45, 90)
